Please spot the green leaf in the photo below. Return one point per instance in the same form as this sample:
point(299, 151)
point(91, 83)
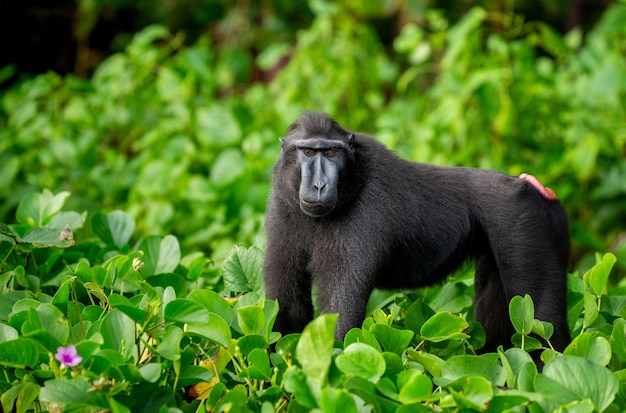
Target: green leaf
point(227, 168)
point(49, 237)
point(250, 342)
point(596, 278)
point(37, 209)
point(215, 330)
point(114, 228)
point(118, 333)
point(19, 353)
point(476, 393)
point(337, 401)
point(21, 396)
point(591, 308)
point(251, 319)
point(590, 346)
point(169, 255)
point(578, 379)
point(414, 386)
point(430, 362)
point(169, 347)
point(392, 339)
point(161, 255)
point(444, 326)
point(217, 127)
point(186, 311)
point(71, 218)
point(301, 385)
point(73, 394)
point(463, 366)
point(314, 350)
point(618, 338)
point(522, 313)
point(362, 360)
point(213, 302)
point(258, 365)
point(243, 269)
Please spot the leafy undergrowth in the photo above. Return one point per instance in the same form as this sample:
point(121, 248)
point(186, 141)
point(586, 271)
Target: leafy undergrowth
point(102, 325)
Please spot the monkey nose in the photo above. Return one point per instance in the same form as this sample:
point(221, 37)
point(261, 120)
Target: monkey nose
point(319, 186)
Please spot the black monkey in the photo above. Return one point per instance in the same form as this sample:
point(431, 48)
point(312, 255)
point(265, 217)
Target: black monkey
point(348, 215)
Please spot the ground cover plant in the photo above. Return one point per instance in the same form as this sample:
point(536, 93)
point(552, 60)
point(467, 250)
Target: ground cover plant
point(106, 325)
point(126, 197)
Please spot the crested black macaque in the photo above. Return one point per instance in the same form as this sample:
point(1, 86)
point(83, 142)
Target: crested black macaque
point(347, 215)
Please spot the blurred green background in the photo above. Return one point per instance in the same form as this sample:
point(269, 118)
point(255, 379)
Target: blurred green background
point(171, 110)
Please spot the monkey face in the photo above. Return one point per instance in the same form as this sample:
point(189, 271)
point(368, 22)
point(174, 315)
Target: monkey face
point(321, 162)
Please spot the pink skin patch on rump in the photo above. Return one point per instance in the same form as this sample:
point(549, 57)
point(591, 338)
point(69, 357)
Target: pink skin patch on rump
point(547, 193)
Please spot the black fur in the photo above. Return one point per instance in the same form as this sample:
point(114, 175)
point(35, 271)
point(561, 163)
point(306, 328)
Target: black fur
point(398, 224)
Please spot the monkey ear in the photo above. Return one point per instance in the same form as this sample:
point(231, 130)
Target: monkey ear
point(351, 141)
point(282, 144)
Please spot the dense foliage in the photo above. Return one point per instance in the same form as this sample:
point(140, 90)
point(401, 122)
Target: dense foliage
point(127, 295)
point(101, 325)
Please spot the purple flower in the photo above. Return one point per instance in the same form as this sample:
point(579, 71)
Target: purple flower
point(68, 356)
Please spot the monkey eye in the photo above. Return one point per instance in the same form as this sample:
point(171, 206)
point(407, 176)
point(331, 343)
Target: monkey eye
point(330, 153)
point(309, 152)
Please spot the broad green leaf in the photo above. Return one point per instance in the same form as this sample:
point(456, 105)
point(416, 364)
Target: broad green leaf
point(71, 218)
point(579, 379)
point(250, 342)
point(161, 255)
point(591, 308)
point(590, 346)
point(258, 365)
point(194, 374)
point(251, 319)
point(512, 361)
point(430, 362)
point(314, 350)
point(414, 386)
point(227, 168)
point(186, 311)
point(359, 359)
point(7, 333)
point(37, 209)
point(169, 347)
point(416, 316)
point(114, 228)
point(118, 332)
point(217, 127)
point(7, 234)
point(522, 313)
point(73, 394)
point(169, 255)
point(301, 385)
point(618, 338)
point(508, 401)
point(213, 302)
point(475, 394)
point(444, 326)
point(392, 339)
point(243, 269)
point(49, 237)
point(137, 314)
point(598, 275)
point(47, 326)
point(21, 396)
point(335, 400)
point(462, 366)
point(20, 353)
point(215, 330)
point(543, 329)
